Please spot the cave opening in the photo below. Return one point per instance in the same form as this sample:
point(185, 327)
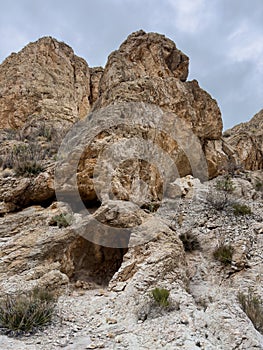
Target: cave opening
point(93, 264)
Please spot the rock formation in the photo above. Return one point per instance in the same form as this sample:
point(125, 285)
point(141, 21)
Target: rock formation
point(247, 141)
point(149, 68)
point(46, 79)
point(131, 164)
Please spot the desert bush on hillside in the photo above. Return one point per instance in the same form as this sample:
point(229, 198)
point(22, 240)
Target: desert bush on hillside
point(25, 159)
point(25, 313)
point(241, 209)
point(219, 198)
point(161, 295)
point(225, 185)
point(224, 254)
point(190, 241)
point(61, 220)
point(32, 145)
point(252, 305)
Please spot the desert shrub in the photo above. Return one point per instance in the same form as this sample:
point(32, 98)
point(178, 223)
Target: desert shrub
point(252, 305)
point(25, 159)
point(218, 200)
point(161, 295)
point(26, 312)
point(224, 254)
point(61, 220)
point(231, 168)
point(189, 241)
point(241, 209)
point(225, 185)
point(259, 186)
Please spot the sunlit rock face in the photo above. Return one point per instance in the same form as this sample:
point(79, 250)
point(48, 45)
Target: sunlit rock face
point(246, 140)
point(45, 78)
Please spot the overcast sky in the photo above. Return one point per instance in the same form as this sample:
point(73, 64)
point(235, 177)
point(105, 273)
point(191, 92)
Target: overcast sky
point(223, 38)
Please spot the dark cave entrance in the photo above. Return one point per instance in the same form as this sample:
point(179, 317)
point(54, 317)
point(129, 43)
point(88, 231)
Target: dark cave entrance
point(93, 264)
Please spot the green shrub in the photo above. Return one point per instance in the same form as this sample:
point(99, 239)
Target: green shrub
point(161, 296)
point(253, 307)
point(221, 198)
point(61, 220)
point(241, 209)
point(189, 241)
point(224, 254)
point(26, 312)
point(225, 185)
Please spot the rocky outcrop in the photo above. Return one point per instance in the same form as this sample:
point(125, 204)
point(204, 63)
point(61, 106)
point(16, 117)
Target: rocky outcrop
point(204, 305)
point(149, 68)
point(47, 79)
point(247, 141)
point(95, 77)
point(129, 164)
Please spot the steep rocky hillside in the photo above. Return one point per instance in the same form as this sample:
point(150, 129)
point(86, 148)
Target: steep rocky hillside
point(247, 141)
point(144, 192)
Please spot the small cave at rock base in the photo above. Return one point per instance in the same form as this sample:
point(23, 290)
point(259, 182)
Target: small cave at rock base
point(90, 264)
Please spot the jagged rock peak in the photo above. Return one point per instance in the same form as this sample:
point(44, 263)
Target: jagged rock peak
point(45, 78)
point(149, 68)
point(145, 54)
point(165, 60)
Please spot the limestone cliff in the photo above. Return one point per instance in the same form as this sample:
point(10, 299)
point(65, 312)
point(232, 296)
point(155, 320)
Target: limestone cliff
point(141, 98)
point(45, 78)
point(247, 141)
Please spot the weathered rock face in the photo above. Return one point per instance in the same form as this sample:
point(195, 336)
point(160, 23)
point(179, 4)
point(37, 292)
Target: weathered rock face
point(149, 68)
point(95, 77)
point(204, 311)
point(204, 307)
point(45, 78)
point(247, 141)
point(34, 251)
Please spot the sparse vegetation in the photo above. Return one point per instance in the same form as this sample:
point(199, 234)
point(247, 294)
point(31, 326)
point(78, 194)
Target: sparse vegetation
point(220, 197)
point(232, 168)
point(189, 241)
point(25, 159)
point(252, 305)
point(259, 186)
point(241, 209)
point(31, 147)
point(26, 312)
point(161, 295)
point(225, 185)
point(61, 220)
point(224, 254)
point(217, 200)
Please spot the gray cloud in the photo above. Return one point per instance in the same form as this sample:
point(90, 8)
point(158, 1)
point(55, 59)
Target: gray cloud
point(224, 39)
